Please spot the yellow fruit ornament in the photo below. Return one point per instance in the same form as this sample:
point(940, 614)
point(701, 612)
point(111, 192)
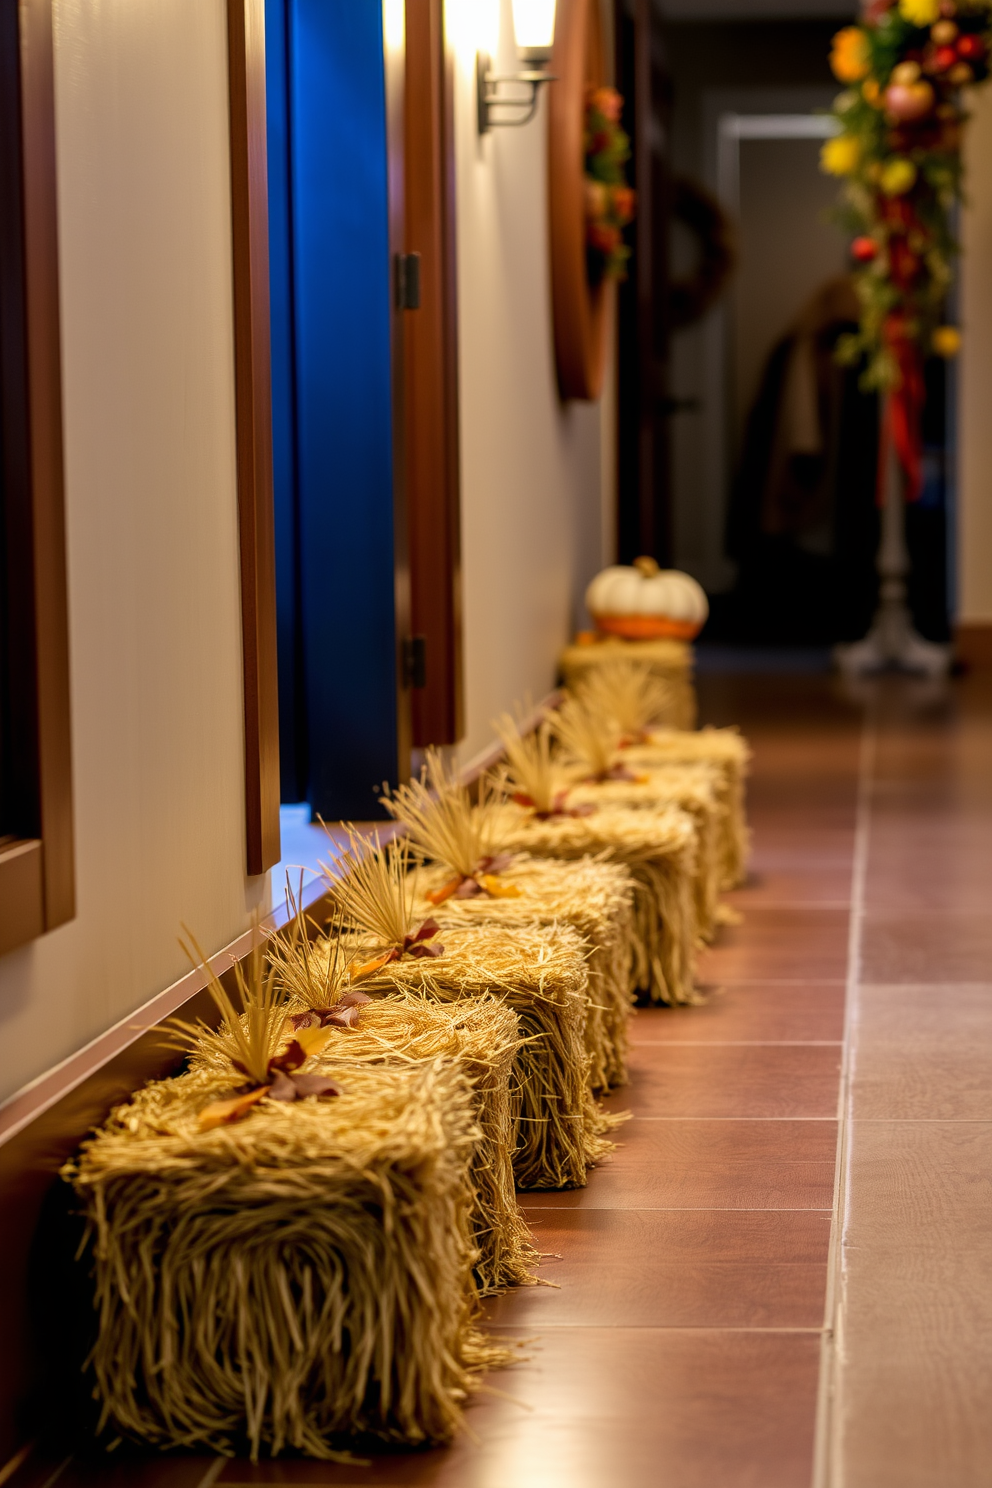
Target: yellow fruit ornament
point(851, 56)
point(920, 12)
point(841, 155)
point(897, 176)
point(947, 341)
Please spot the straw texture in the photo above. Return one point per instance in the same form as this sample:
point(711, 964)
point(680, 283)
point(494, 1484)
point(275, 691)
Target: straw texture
point(728, 751)
point(596, 899)
point(540, 972)
point(481, 1036)
point(671, 661)
point(700, 791)
point(659, 849)
point(290, 1280)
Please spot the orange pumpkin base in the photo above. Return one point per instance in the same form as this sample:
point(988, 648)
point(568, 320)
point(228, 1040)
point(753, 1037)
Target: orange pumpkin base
point(647, 627)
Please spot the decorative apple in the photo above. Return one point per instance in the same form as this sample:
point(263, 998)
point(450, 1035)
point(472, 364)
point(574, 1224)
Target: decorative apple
point(863, 250)
point(907, 101)
point(970, 48)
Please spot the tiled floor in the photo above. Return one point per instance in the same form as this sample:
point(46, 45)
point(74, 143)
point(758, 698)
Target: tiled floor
point(914, 1371)
point(682, 1346)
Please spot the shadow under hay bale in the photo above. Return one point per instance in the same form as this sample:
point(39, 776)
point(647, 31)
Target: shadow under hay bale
point(597, 900)
point(290, 1280)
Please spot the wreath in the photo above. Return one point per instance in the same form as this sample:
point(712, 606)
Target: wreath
point(898, 147)
point(609, 201)
point(690, 298)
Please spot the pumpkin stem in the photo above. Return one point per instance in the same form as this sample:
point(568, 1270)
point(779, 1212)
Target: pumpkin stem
point(646, 566)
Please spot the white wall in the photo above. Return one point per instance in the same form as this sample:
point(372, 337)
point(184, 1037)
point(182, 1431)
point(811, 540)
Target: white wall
point(533, 525)
point(141, 94)
point(974, 518)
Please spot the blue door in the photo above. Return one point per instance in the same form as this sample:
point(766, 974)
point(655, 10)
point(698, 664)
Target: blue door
point(341, 705)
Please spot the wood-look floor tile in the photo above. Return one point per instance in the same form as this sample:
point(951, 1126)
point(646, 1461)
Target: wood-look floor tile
point(906, 947)
point(923, 1052)
point(710, 1165)
point(778, 943)
point(128, 1469)
point(638, 1408)
point(918, 1316)
point(779, 1013)
point(794, 1080)
point(673, 1269)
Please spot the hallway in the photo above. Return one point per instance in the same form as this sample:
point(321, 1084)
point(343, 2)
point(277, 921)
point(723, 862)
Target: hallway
point(683, 1344)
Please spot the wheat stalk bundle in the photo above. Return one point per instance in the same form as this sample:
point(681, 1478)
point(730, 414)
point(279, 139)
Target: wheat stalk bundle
point(667, 660)
point(725, 749)
point(441, 821)
point(290, 1280)
point(628, 693)
point(588, 739)
point(475, 882)
point(537, 778)
point(700, 791)
point(596, 899)
point(659, 849)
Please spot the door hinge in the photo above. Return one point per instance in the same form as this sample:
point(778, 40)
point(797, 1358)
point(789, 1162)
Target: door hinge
point(415, 661)
point(408, 281)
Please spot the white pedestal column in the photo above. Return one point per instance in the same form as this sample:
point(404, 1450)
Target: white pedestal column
point(892, 643)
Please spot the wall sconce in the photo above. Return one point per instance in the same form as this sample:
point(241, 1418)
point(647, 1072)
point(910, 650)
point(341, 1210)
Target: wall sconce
point(534, 29)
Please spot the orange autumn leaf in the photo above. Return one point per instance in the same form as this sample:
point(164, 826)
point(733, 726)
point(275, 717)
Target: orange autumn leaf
point(222, 1113)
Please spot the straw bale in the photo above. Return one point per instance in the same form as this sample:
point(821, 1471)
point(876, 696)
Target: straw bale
point(481, 1034)
point(290, 1280)
point(701, 791)
point(540, 972)
point(597, 899)
point(730, 752)
point(659, 849)
point(672, 661)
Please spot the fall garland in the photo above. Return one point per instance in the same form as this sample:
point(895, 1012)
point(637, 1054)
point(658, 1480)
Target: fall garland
point(898, 147)
point(609, 200)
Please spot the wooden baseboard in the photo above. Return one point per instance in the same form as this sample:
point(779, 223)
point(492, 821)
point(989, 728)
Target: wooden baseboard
point(973, 644)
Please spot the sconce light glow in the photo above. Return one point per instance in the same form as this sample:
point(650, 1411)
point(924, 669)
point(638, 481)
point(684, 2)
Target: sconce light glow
point(534, 26)
point(394, 24)
point(486, 13)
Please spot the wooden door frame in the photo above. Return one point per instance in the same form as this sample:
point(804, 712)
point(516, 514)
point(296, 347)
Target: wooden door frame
point(37, 860)
point(253, 403)
point(430, 433)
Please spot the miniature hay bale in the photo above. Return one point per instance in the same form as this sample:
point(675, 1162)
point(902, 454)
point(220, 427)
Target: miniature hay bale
point(659, 849)
point(725, 748)
point(699, 790)
point(540, 972)
point(481, 1035)
point(597, 900)
point(290, 1280)
point(672, 661)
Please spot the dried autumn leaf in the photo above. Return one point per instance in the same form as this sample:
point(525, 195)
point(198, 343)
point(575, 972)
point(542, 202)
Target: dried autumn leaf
point(222, 1113)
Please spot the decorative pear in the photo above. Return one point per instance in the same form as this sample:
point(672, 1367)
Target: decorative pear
point(645, 602)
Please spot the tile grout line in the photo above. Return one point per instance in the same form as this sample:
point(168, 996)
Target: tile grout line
point(827, 1468)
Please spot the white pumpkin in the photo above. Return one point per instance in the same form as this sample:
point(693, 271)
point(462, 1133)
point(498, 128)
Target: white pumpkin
point(645, 602)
